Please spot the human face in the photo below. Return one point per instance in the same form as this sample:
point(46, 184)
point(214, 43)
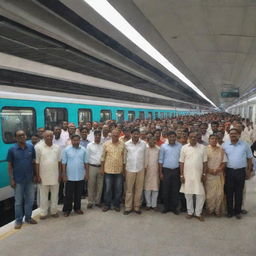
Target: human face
point(97, 138)
point(88, 125)
point(34, 140)
point(199, 137)
point(203, 129)
point(65, 125)
point(127, 133)
point(152, 142)
point(40, 132)
point(227, 126)
point(21, 137)
point(57, 132)
point(95, 125)
point(115, 136)
point(135, 137)
point(71, 130)
point(239, 127)
point(158, 135)
point(172, 138)
point(220, 136)
point(213, 141)
point(221, 127)
point(75, 142)
point(105, 131)
point(193, 138)
point(143, 135)
point(178, 132)
point(234, 136)
point(214, 127)
point(84, 134)
point(48, 137)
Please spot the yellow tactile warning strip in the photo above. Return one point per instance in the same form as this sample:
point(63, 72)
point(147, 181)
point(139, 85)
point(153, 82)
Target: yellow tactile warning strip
point(9, 230)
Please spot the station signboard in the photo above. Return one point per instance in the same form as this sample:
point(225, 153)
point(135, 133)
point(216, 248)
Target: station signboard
point(230, 93)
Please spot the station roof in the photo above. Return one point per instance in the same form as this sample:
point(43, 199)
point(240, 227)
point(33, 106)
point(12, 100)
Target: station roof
point(211, 42)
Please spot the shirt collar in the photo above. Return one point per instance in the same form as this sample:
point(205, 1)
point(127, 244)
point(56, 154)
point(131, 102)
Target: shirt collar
point(191, 145)
point(17, 146)
point(239, 142)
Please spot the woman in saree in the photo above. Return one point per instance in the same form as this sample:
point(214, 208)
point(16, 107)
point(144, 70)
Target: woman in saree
point(214, 186)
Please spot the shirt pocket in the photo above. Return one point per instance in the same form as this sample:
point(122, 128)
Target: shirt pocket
point(28, 155)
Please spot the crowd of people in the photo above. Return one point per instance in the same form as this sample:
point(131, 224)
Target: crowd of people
point(186, 163)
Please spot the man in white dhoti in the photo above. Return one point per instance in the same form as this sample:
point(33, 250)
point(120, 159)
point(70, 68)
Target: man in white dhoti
point(193, 166)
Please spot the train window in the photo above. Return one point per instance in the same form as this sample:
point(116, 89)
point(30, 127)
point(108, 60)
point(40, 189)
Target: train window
point(17, 118)
point(168, 115)
point(156, 115)
point(105, 115)
point(131, 116)
point(162, 115)
point(149, 115)
point(54, 117)
point(119, 116)
point(84, 115)
point(141, 115)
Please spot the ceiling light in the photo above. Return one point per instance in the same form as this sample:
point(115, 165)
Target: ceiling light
point(108, 12)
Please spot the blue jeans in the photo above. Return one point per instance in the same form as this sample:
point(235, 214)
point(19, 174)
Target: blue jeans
point(24, 194)
point(113, 184)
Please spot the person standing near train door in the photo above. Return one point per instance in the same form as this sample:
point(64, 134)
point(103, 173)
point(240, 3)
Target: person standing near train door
point(21, 160)
point(48, 174)
point(73, 167)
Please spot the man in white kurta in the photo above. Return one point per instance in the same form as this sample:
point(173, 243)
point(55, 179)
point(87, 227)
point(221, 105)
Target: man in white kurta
point(135, 152)
point(193, 160)
point(48, 174)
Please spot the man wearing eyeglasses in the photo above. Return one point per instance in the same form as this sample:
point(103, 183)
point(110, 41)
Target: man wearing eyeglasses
point(21, 161)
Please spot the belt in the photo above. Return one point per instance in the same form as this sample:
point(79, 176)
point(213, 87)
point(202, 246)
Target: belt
point(172, 169)
point(236, 169)
point(95, 165)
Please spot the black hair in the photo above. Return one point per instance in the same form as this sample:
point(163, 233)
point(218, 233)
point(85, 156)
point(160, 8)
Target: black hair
point(171, 133)
point(135, 130)
point(84, 128)
point(96, 132)
point(74, 136)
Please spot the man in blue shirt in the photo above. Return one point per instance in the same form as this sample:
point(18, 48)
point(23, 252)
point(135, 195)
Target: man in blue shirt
point(73, 166)
point(170, 173)
point(21, 160)
point(239, 159)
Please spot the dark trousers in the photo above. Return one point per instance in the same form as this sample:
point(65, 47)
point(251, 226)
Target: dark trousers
point(73, 193)
point(61, 192)
point(235, 179)
point(171, 188)
point(113, 187)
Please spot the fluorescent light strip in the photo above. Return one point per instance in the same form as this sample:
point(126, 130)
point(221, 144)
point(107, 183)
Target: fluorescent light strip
point(108, 12)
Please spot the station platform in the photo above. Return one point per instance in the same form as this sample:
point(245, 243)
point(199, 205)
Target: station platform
point(96, 233)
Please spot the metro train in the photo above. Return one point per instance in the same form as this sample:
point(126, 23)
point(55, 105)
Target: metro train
point(29, 109)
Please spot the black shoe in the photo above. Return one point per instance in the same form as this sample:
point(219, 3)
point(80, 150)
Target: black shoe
point(176, 212)
point(230, 215)
point(98, 205)
point(138, 212)
point(127, 212)
point(238, 216)
point(244, 211)
point(106, 208)
point(165, 210)
point(117, 209)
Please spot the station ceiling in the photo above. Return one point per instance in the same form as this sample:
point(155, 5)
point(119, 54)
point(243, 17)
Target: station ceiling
point(212, 42)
